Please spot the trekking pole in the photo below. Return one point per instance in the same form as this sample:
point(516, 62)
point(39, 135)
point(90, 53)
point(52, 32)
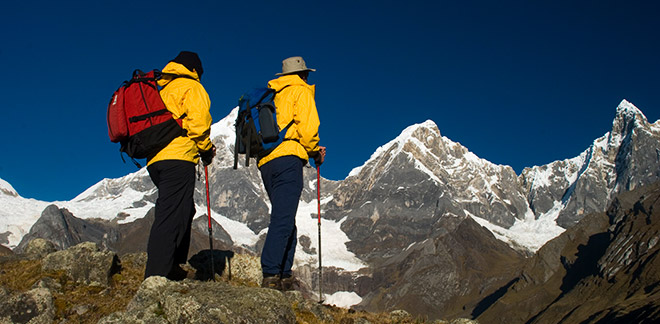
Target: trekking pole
point(208, 211)
point(318, 200)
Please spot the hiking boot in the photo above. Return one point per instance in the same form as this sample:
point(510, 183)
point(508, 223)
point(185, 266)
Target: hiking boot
point(177, 273)
point(272, 282)
point(287, 283)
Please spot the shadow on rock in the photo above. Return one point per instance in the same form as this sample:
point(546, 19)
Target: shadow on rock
point(204, 268)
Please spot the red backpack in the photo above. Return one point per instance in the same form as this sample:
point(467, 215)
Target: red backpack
point(139, 119)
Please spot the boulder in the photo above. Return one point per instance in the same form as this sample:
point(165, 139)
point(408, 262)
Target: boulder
point(160, 300)
point(39, 248)
point(84, 263)
point(35, 307)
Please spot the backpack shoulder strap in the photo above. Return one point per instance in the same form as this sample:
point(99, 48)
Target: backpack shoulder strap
point(174, 76)
point(286, 128)
point(286, 86)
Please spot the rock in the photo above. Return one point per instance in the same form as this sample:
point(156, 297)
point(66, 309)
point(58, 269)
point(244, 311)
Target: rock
point(360, 320)
point(80, 309)
point(163, 301)
point(399, 315)
point(84, 263)
point(463, 321)
point(48, 283)
point(304, 305)
point(246, 267)
point(39, 248)
point(35, 307)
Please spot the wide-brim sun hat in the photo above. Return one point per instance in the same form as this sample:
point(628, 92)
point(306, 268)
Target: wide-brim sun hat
point(294, 64)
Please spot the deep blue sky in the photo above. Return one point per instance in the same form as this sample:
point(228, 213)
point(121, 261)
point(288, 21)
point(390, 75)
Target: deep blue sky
point(519, 83)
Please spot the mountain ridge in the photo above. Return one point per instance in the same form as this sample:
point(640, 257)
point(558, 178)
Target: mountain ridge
point(414, 140)
point(406, 195)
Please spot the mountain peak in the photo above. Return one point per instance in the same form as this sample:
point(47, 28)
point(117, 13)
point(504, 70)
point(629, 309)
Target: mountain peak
point(419, 132)
point(627, 110)
point(428, 124)
point(628, 117)
point(415, 129)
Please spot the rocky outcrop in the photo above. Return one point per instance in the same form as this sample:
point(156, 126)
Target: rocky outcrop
point(39, 248)
point(162, 301)
point(34, 306)
point(84, 263)
point(58, 297)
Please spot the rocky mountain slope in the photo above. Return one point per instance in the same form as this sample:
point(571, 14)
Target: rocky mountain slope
point(602, 270)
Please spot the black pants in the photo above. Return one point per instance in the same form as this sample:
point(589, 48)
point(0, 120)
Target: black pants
point(169, 239)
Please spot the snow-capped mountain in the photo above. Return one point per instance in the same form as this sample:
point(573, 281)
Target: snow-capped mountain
point(426, 174)
point(625, 158)
point(412, 198)
point(419, 191)
point(17, 214)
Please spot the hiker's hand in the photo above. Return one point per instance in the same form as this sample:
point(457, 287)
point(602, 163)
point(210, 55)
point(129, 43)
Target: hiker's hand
point(207, 156)
point(320, 156)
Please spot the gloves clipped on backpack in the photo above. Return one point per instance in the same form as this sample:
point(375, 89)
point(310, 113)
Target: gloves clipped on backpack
point(207, 156)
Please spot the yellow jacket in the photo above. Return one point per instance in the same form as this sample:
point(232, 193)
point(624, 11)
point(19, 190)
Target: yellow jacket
point(185, 96)
point(296, 103)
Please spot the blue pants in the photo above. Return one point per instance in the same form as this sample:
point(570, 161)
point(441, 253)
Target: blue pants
point(169, 239)
point(283, 181)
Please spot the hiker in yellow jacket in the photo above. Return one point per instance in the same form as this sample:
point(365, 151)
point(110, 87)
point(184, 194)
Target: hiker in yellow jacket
point(173, 168)
point(281, 170)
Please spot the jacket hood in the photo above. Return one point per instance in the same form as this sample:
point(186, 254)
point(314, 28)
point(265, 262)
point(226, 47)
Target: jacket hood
point(290, 79)
point(178, 69)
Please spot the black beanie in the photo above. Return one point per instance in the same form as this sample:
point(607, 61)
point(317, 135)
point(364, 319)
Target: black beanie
point(190, 60)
